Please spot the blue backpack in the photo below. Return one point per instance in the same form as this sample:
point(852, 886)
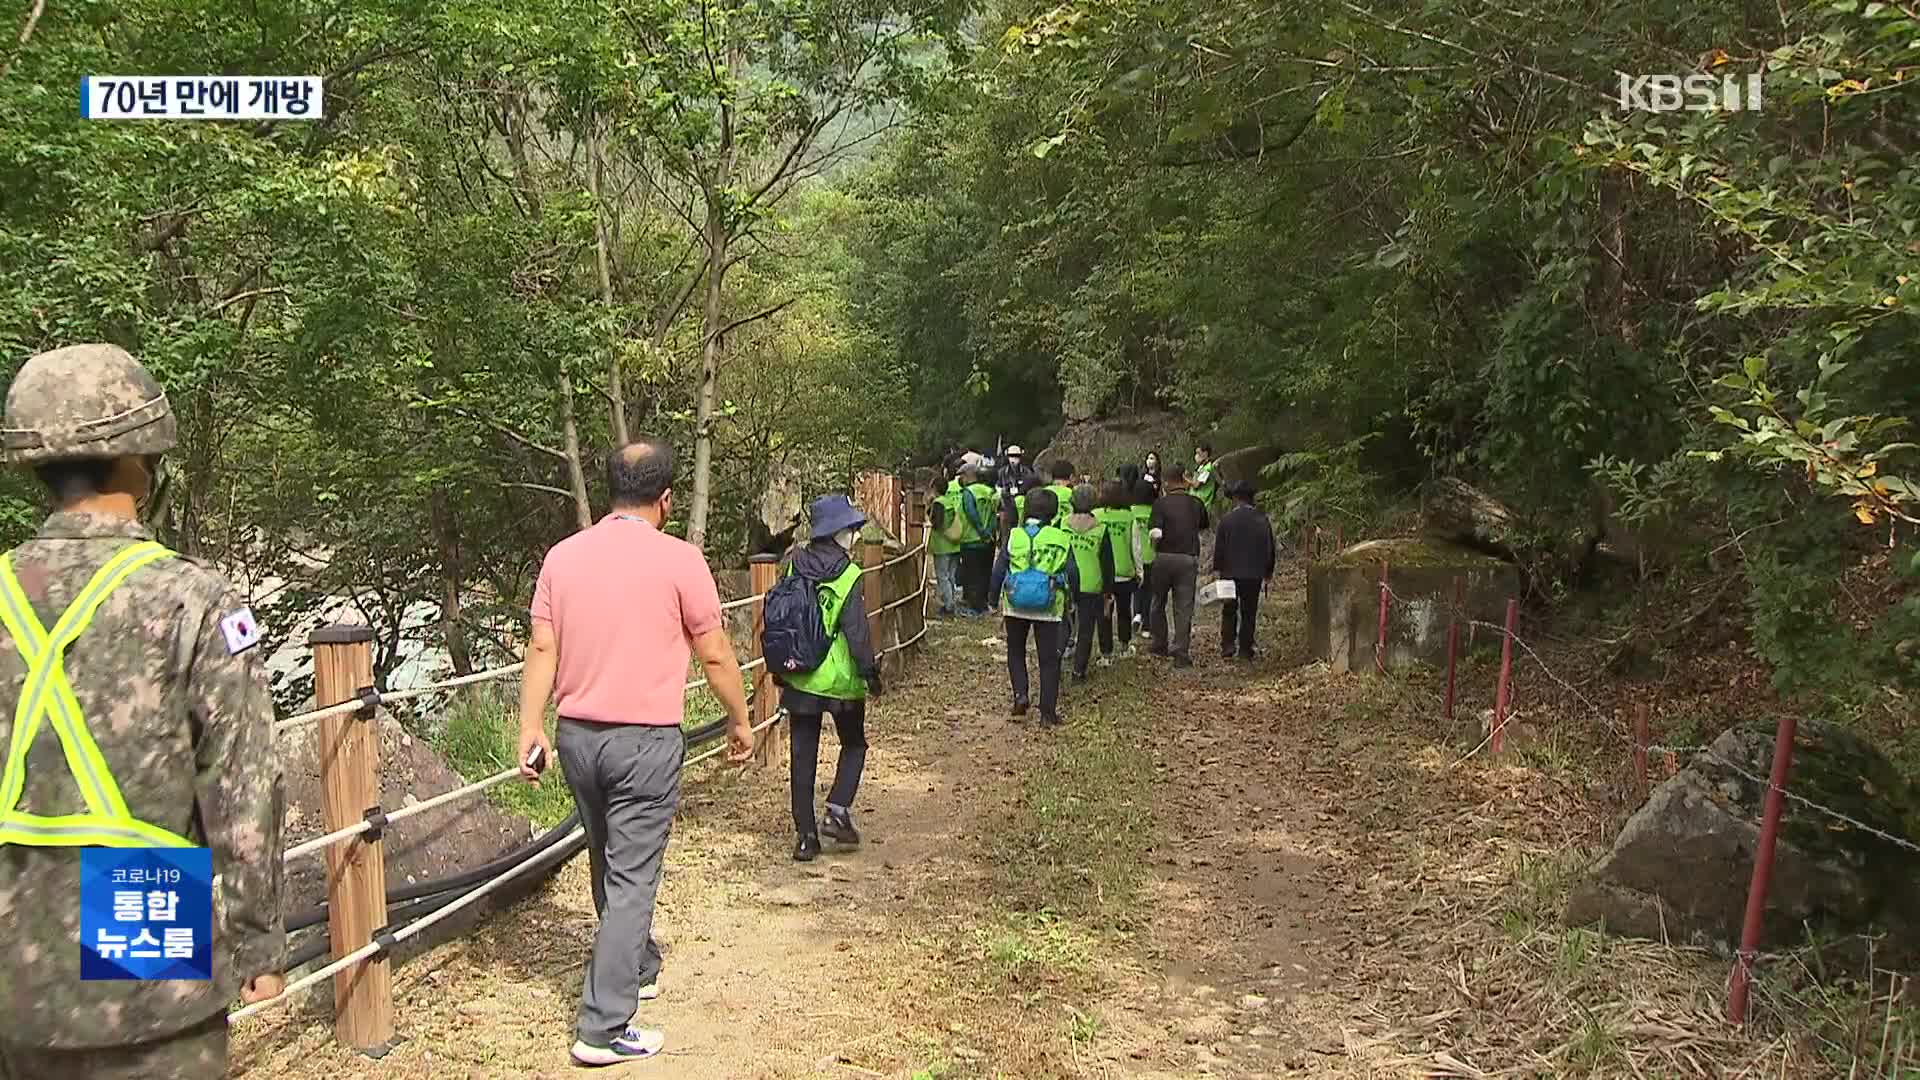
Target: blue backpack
point(1031, 589)
point(794, 638)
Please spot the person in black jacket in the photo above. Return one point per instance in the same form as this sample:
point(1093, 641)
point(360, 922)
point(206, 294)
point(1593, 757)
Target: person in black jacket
point(1243, 553)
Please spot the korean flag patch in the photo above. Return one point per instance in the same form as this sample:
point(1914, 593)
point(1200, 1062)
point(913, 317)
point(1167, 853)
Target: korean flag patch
point(241, 630)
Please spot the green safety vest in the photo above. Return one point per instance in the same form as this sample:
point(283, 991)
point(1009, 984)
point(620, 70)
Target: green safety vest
point(949, 501)
point(1086, 552)
point(47, 695)
point(1205, 484)
point(836, 676)
point(1020, 507)
point(1064, 494)
point(1049, 549)
point(1119, 524)
point(986, 502)
point(1142, 527)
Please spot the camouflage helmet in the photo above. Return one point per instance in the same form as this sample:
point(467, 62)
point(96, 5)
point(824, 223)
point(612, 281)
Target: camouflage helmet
point(85, 401)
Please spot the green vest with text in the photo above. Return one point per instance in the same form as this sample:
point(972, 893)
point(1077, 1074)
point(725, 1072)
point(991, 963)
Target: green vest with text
point(836, 677)
point(1086, 553)
point(1142, 526)
point(1049, 549)
point(1064, 494)
point(1119, 526)
point(986, 503)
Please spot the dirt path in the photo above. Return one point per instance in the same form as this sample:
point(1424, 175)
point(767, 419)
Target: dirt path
point(1230, 871)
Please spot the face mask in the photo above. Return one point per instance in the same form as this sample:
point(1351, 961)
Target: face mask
point(845, 538)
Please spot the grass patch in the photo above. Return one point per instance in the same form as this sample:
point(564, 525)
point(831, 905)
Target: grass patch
point(1076, 841)
point(1537, 893)
point(479, 733)
point(1035, 948)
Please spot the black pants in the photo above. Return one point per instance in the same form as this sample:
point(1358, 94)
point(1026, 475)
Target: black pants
point(1143, 599)
point(1090, 613)
point(1240, 613)
point(976, 572)
point(1046, 642)
point(1122, 593)
point(850, 720)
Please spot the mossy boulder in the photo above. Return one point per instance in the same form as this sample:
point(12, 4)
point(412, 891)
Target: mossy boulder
point(1680, 868)
point(1343, 600)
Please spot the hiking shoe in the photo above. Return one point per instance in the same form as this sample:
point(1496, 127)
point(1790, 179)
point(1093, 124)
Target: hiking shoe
point(650, 991)
point(1079, 677)
point(1226, 652)
point(1183, 661)
point(1138, 622)
point(1019, 709)
point(839, 828)
point(806, 848)
point(1050, 721)
point(630, 1045)
point(1106, 661)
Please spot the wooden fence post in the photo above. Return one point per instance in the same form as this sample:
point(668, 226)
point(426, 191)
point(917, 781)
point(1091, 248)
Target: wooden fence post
point(918, 530)
point(874, 589)
point(762, 572)
point(349, 754)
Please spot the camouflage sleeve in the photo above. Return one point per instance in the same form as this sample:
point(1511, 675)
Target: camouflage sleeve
point(239, 791)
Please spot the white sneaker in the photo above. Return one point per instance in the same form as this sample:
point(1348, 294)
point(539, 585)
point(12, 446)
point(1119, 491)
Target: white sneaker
point(1105, 661)
point(631, 1045)
point(650, 991)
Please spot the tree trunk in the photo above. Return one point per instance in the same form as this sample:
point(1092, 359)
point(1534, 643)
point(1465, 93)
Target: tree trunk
point(719, 234)
point(452, 632)
point(597, 181)
point(582, 509)
point(516, 124)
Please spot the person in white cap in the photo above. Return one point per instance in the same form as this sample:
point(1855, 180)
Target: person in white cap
point(1014, 475)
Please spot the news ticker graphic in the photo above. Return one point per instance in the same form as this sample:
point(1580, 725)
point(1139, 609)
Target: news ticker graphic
point(201, 97)
point(146, 913)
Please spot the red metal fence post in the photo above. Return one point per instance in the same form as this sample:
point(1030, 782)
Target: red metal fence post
point(1380, 640)
point(1640, 741)
point(1762, 870)
point(1506, 674)
point(1453, 640)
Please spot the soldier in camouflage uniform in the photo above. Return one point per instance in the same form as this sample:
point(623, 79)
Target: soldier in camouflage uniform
point(174, 708)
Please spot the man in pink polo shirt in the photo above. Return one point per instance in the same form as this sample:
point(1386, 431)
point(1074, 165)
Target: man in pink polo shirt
point(617, 611)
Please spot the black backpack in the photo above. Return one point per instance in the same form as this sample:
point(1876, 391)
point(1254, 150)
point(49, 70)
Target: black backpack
point(794, 638)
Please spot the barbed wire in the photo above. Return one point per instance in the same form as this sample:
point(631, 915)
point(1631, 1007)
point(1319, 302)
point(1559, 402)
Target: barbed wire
point(1612, 727)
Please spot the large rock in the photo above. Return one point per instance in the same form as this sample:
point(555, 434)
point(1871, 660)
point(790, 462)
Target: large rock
point(1680, 868)
point(1246, 463)
point(1100, 446)
point(1454, 510)
point(435, 844)
point(1343, 600)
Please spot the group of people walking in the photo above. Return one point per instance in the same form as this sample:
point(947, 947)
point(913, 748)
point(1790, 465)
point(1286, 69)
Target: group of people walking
point(1068, 563)
point(619, 611)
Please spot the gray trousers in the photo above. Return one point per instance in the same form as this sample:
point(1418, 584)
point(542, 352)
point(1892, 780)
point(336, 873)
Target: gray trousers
point(626, 783)
point(1174, 580)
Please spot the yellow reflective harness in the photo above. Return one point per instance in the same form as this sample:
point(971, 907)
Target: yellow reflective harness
point(46, 693)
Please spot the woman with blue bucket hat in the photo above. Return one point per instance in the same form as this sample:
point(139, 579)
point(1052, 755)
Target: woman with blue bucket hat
point(843, 677)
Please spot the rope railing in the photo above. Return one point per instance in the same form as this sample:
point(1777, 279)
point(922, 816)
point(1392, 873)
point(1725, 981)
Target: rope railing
point(377, 820)
point(388, 941)
point(371, 697)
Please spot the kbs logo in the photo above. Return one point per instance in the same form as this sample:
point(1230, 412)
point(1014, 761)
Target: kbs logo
point(1691, 93)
